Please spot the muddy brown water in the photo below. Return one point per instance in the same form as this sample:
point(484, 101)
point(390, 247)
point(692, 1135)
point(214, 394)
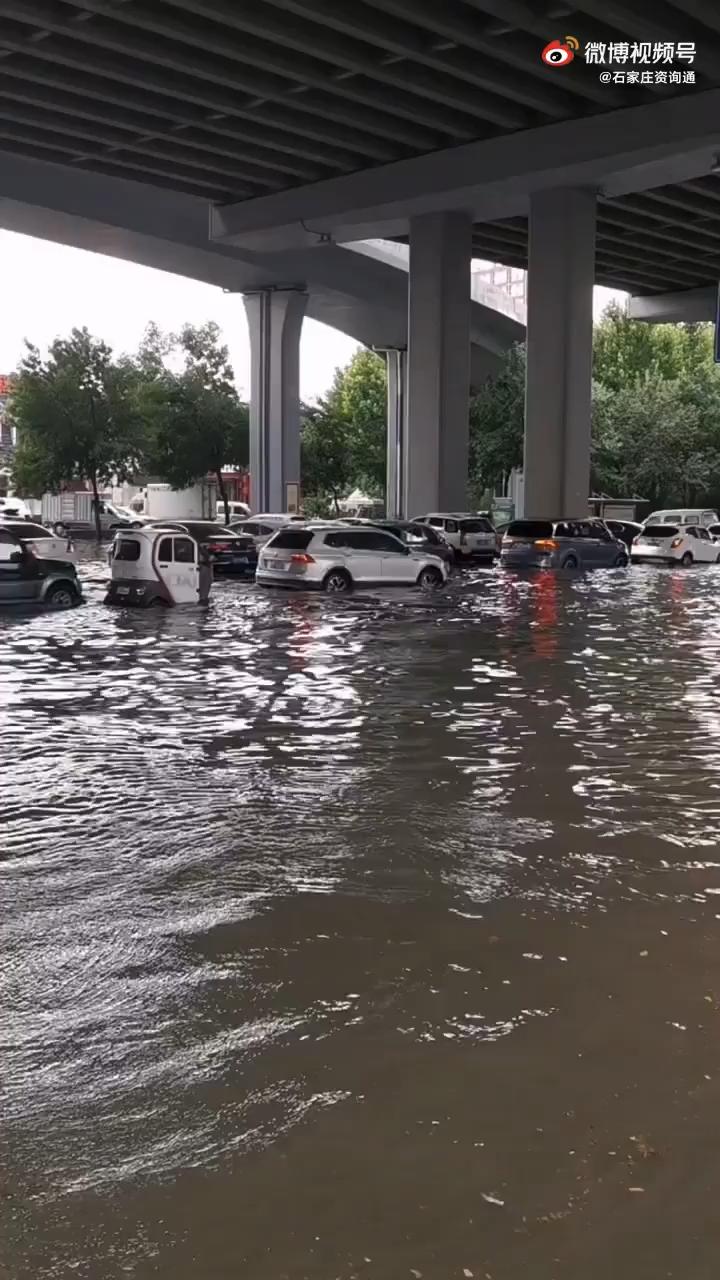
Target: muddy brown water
point(372, 938)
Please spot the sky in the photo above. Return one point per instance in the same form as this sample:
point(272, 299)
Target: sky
point(48, 288)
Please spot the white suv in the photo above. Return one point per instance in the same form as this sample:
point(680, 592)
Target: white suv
point(468, 534)
point(335, 559)
point(675, 544)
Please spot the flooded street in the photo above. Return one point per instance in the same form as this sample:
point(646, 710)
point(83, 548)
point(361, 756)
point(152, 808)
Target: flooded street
point(367, 938)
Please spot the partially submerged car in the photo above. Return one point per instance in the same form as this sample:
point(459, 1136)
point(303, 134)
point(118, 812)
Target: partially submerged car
point(158, 566)
point(28, 577)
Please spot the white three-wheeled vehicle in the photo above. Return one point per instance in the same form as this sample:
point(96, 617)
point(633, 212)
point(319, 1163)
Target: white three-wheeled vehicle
point(158, 566)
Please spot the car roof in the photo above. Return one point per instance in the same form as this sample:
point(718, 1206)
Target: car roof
point(151, 530)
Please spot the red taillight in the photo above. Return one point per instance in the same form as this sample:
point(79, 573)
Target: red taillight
point(676, 542)
point(546, 544)
point(301, 558)
point(217, 546)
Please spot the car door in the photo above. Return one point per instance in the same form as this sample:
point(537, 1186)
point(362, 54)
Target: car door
point(593, 551)
point(397, 565)
point(707, 549)
point(608, 549)
point(16, 581)
point(184, 570)
point(364, 555)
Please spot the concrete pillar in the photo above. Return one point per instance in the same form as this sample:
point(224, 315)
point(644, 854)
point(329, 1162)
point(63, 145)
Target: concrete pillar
point(396, 431)
point(436, 458)
point(275, 319)
point(561, 272)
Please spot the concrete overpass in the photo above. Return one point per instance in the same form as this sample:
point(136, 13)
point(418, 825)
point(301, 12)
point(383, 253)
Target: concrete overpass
point(292, 128)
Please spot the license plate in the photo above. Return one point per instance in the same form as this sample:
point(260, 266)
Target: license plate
point(123, 591)
point(239, 559)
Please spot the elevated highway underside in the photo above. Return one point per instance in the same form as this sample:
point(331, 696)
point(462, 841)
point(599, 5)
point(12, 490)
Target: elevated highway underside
point(248, 144)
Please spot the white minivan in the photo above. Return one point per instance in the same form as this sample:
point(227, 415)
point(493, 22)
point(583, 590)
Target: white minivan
point(683, 516)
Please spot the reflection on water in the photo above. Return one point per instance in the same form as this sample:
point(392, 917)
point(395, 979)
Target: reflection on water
point(371, 938)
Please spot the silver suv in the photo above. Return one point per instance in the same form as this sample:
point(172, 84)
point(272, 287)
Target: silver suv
point(335, 559)
point(561, 544)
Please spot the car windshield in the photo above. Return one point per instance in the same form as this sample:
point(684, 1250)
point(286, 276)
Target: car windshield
point(660, 531)
point(529, 529)
point(24, 530)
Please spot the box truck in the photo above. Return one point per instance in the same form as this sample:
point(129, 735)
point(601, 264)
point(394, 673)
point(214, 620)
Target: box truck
point(73, 513)
point(199, 502)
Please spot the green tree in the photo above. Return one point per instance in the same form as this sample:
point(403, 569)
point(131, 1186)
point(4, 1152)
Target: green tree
point(326, 458)
point(497, 417)
point(197, 423)
point(349, 425)
point(652, 439)
point(359, 393)
point(625, 349)
point(76, 417)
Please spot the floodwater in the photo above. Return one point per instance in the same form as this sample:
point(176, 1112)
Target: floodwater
point(368, 938)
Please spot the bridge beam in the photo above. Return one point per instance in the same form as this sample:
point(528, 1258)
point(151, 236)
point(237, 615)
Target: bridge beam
point(689, 306)
point(275, 319)
point(561, 268)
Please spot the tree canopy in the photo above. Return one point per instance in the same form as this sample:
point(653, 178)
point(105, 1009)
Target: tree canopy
point(76, 416)
point(344, 435)
point(170, 410)
point(195, 422)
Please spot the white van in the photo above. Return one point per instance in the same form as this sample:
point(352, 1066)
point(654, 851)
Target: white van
point(682, 516)
point(236, 510)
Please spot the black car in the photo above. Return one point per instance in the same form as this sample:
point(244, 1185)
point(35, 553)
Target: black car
point(229, 552)
point(419, 536)
point(624, 530)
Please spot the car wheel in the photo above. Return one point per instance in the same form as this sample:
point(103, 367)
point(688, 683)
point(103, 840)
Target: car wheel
point(621, 561)
point(60, 529)
point(429, 578)
point(61, 596)
point(337, 582)
point(570, 562)
point(687, 560)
